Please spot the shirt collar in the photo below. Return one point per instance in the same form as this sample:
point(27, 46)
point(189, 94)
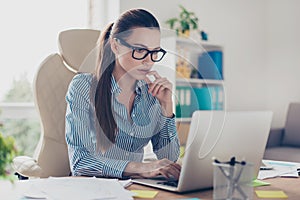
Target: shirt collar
point(115, 88)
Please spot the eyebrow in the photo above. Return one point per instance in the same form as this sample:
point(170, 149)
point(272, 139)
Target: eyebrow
point(157, 48)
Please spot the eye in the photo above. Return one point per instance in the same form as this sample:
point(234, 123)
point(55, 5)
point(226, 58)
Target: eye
point(155, 52)
point(141, 50)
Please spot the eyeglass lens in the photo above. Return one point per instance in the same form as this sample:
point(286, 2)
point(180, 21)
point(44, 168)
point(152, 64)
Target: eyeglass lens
point(156, 55)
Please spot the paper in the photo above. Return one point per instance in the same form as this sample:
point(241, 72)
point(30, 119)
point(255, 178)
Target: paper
point(280, 168)
point(257, 183)
point(271, 194)
point(125, 183)
point(151, 78)
point(77, 188)
point(144, 193)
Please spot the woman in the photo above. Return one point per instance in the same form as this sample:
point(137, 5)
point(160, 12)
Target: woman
point(113, 114)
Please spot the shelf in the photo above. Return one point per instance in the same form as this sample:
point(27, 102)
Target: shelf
point(185, 119)
point(196, 81)
point(190, 41)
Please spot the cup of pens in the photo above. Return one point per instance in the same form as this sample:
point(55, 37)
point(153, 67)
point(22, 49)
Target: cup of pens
point(232, 180)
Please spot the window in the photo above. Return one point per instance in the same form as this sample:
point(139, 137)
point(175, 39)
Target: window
point(28, 35)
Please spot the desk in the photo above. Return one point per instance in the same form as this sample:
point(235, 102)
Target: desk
point(289, 185)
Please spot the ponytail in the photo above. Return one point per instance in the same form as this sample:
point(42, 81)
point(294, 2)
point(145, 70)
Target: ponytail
point(122, 28)
point(103, 106)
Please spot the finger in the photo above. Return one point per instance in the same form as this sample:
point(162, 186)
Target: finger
point(170, 172)
point(174, 172)
point(147, 80)
point(155, 89)
point(158, 83)
point(163, 86)
point(176, 165)
point(164, 173)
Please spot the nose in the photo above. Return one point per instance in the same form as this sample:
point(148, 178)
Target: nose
point(148, 59)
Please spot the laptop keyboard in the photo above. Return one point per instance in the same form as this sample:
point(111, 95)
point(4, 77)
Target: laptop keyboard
point(169, 183)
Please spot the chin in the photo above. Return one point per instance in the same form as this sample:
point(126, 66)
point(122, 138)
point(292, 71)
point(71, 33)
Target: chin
point(139, 75)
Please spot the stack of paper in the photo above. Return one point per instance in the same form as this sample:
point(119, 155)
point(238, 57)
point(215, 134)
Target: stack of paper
point(279, 168)
point(75, 188)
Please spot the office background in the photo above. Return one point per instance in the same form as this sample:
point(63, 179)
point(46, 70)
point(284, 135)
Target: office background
point(261, 46)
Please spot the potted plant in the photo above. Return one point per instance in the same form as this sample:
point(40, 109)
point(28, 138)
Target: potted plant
point(184, 23)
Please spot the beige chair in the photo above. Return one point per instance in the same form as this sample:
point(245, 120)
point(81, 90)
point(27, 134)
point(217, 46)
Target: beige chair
point(77, 53)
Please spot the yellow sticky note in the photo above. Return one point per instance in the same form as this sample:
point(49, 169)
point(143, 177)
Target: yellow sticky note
point(271, 194)
point(144, 193)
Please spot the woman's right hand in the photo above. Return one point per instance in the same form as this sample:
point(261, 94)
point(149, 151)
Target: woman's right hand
point(162, 167)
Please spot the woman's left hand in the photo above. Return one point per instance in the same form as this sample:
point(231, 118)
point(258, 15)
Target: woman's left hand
point(161, 88)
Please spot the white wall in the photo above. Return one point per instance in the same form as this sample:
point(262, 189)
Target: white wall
point(240, 27)
point(283, 53)
point(260, 40)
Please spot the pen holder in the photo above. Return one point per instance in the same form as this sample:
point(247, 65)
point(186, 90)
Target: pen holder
point(232, 181)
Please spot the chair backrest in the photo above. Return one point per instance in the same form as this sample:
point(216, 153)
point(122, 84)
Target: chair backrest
point(50, 87)
point(292, 126)
point(76, 45)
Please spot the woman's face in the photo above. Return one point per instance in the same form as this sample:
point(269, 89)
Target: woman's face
point(140, 38)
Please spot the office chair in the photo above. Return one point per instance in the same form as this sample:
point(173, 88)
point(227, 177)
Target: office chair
point(77, 52)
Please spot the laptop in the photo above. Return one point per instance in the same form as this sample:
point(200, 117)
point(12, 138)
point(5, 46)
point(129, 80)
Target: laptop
point(219, 134)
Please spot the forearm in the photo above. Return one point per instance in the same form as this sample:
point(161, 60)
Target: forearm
point(134, 169)
point(84, 164)
point(167, 109)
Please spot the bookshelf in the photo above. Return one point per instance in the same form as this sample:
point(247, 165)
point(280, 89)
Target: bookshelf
point(192, 92)
point(182, 66)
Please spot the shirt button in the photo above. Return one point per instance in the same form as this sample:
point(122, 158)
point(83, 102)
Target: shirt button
point(132, 133)
point(133, 115)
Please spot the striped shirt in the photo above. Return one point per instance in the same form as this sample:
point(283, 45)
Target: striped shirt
point(146, 123)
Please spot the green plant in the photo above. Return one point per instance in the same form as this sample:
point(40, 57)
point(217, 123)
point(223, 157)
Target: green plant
point(186, 21)
point(7, 153)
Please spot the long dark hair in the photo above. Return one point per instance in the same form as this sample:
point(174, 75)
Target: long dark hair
point(130, 19)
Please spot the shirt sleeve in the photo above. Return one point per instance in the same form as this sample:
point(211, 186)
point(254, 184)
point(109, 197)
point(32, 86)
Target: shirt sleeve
point(81, 137)
point(165, 142)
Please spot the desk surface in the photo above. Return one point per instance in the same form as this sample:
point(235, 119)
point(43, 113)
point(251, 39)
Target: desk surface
point(289, 185)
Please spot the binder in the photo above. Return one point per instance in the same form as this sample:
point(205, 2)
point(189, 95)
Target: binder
point(189, 99)
point(210, 65)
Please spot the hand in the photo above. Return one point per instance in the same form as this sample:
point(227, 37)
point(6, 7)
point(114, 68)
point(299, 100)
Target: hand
point(161, 88)
point(162, 167)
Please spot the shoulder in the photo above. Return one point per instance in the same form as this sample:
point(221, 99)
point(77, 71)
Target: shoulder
point(82, 80)
point(81, 84)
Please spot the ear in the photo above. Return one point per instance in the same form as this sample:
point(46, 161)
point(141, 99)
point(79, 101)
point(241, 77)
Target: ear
point(114, 46)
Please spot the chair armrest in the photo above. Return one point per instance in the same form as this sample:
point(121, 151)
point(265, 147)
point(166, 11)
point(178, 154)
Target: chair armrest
point(26, 167)
point(275, 137)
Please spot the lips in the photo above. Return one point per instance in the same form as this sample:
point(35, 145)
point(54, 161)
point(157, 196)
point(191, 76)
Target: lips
point(144, 71)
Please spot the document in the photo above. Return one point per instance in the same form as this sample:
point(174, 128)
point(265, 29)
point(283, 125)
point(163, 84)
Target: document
point(279, 169)
point(76, 188)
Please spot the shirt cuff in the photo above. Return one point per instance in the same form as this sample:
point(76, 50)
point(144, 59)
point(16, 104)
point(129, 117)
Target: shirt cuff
point(168, 127)
point(114, 168)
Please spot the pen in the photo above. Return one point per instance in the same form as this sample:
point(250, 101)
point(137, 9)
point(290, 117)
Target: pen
point(231, 179)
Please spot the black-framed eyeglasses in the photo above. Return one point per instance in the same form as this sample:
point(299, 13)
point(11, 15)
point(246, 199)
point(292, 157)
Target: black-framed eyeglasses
point(140, 53)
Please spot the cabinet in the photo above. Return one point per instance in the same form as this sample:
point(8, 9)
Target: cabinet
point(197, 73)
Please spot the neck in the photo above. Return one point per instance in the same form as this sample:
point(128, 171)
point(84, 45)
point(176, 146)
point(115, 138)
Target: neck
point(124, 80)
